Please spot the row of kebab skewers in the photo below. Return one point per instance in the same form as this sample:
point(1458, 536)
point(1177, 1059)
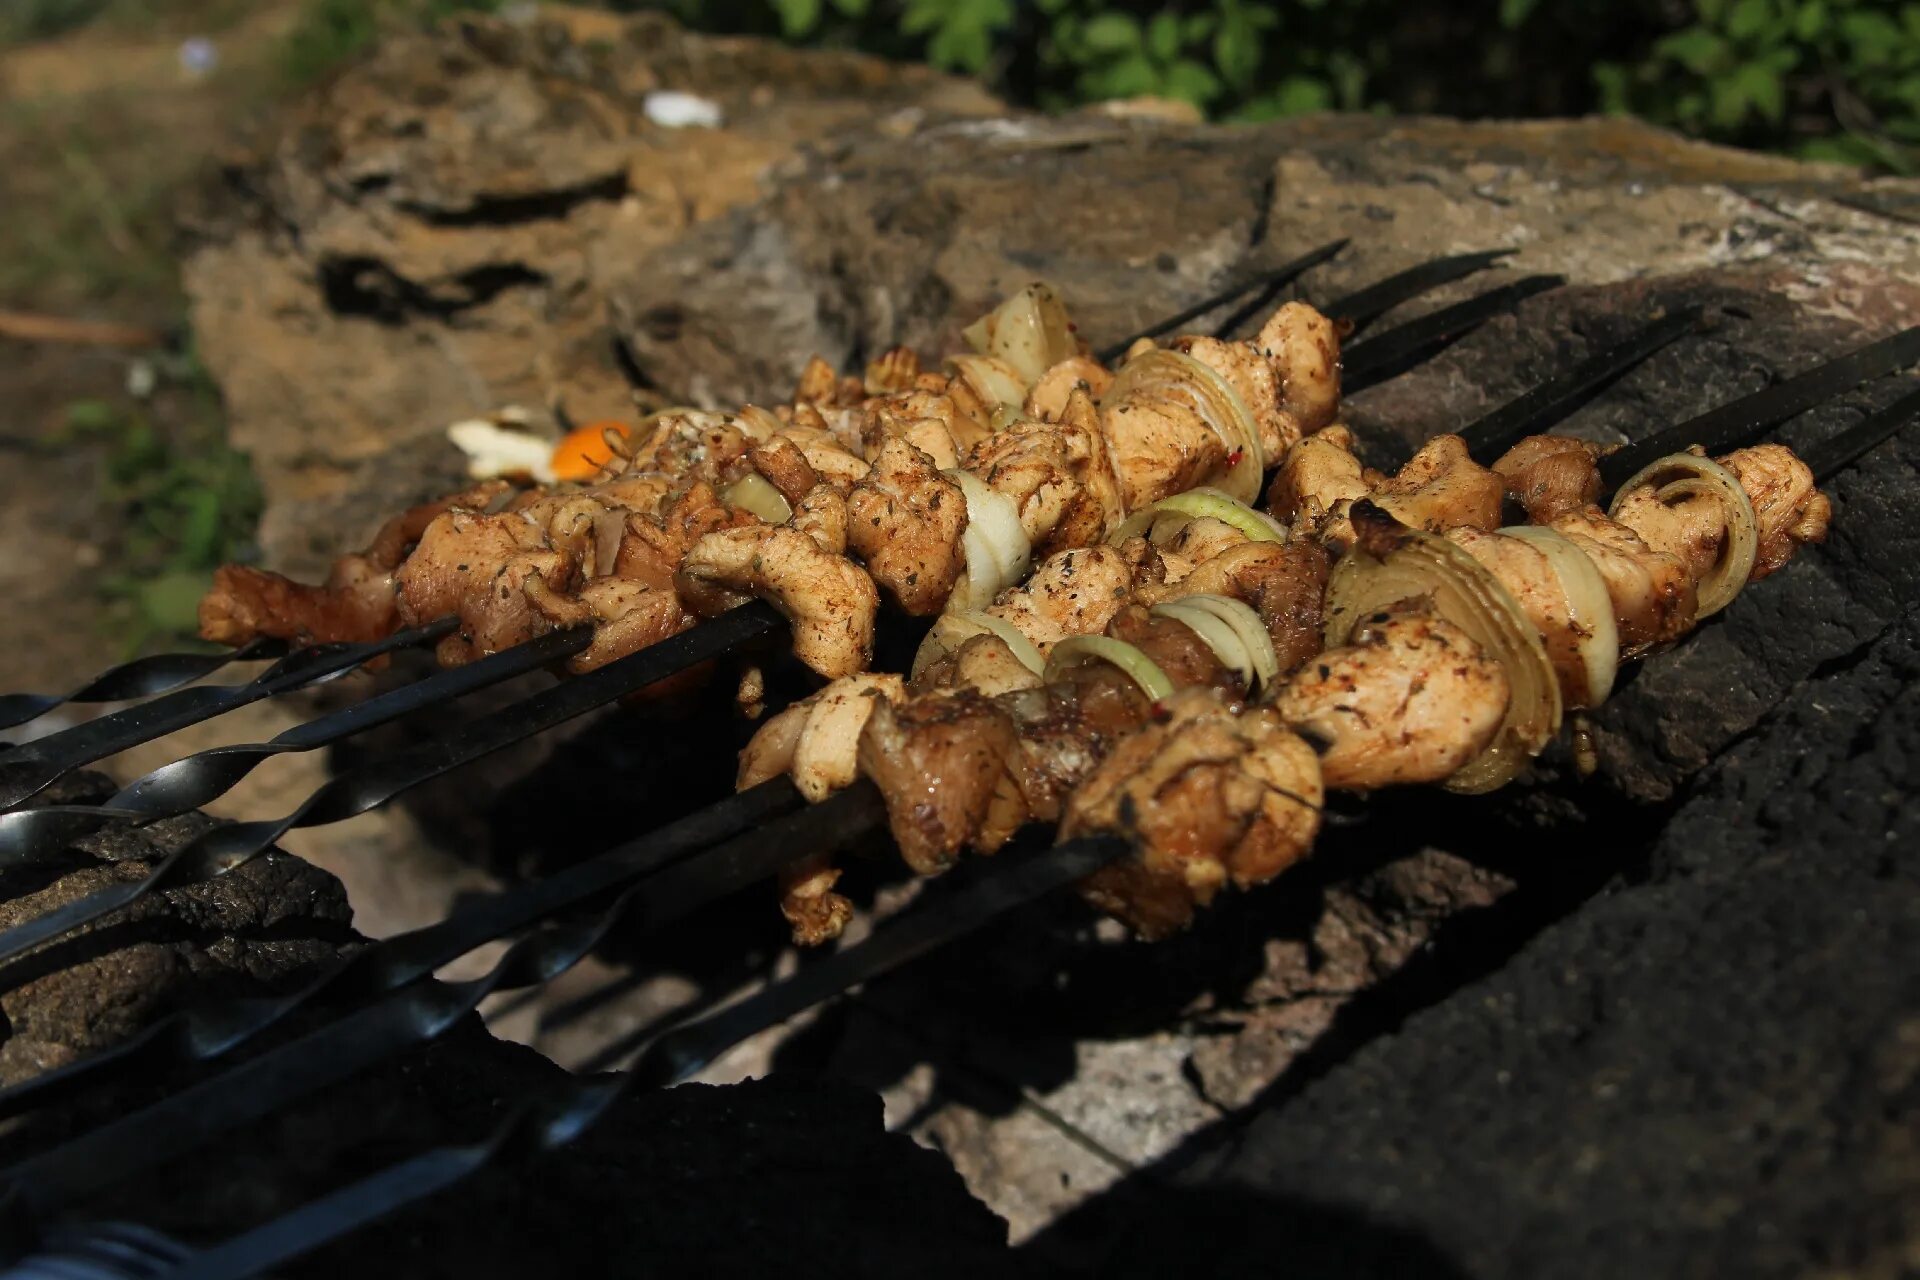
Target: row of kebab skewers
point(1134, 633)
point(1167, 609)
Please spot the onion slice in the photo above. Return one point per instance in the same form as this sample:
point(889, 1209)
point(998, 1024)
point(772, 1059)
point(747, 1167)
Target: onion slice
point(993, 380)
point(754, 493)
point(1161, 521)
point(997, 548)
point(1700, 477)
point(1030, 332)
point(1589, 612)
point(1390, 563)
point(951, 630)
point(1173, 375)
point(1077, 651)
point(1232, 630)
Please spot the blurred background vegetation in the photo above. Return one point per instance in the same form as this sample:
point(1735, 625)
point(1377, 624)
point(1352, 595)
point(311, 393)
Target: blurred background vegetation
point(112, 107)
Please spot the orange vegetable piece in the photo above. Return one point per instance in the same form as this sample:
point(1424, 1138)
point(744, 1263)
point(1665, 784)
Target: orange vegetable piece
point(583, 451)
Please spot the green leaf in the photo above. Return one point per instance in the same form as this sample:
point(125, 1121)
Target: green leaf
point(1190, 81)
point(851, 8)
point(1237, 49)
point(93, 417)
point(1749, 18)
point(1697, 49)
point(1163, 37)
point(1112, 33)
point(1197, 27)
point(1513, 13)
point(1811, 19)
point(1127, 77)
point(1874, 38)
point(1300, 95)
point(797, 17)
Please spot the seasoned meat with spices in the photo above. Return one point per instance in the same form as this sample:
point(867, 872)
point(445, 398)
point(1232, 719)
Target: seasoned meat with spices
point(1411, 700)
point(1208, 794)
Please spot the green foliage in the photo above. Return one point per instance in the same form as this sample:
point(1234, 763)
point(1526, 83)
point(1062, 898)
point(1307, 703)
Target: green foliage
point(188, 502)
point(1834, 78)
point(1743, 69)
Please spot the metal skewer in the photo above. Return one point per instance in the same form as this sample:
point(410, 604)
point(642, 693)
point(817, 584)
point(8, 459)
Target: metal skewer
point(140, 678)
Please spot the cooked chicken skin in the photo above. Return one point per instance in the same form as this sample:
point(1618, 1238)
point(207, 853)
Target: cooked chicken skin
point(1529, 577)
point(1304, 347)
point(1057, 474)
point(1413, 699)
point(477, 567)
point(1315, 477)
point(1207, 794)
point(940, 759)
point(1550, 476)
point(829, 600)
point(984, 663)
point(817, 739)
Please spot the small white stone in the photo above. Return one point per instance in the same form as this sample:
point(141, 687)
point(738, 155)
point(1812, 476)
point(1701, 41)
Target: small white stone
point(671, 109)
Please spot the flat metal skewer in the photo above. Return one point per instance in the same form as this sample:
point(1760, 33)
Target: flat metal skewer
point(39, 835)
point(1392, 353)
point(35, 766)
point(1270, 279)
point(1737, 421)
point(140, 678)
point(420, 1011)
point(221, 849)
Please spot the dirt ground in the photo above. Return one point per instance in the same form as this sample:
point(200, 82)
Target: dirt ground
point(103, 131)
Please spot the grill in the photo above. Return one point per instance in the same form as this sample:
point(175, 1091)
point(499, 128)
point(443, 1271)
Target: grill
point(382, 999)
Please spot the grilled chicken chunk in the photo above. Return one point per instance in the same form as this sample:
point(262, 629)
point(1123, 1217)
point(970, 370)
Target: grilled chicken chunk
point(1550, 476)
point(1208, 795)
point(355, 604)
point(1411, 700)
point(830, 601)
point(1652, 592)
point(1788, 512)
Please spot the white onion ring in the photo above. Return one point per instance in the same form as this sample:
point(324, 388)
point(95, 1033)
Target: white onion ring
point(1232, 630)
point(1180, 377)
point(1029, 332)
point(1413, 564)
point(951, 630)
point(1703, 477)
point(1077, 651)
point(1161, 521)
point(754, 493)
point(1589, 611)
point(997, 549)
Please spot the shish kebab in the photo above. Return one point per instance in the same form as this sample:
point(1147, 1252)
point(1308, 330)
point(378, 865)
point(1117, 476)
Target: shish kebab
point(974, 752)
point(944, 485)
point(194, 780)
point(1195, 731)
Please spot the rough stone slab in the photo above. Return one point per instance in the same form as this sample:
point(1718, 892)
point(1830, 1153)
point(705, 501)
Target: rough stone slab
point(1715, 1071)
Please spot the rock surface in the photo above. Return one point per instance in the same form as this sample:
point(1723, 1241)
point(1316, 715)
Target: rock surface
point(434, 235)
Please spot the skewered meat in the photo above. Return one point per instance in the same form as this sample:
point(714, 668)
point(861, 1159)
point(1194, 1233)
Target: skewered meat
point(1652, 593)
point(1412, 700)
point(1207, 794)
point(1316, 477)
point(1072, 593)
point(1441, 487)
point(1047, 398)
point(1550, 476)
point(1787, 509)
point(355, 604)
point(941, 761)
point(905, 523)
point(1283, 582)
point(830, 602)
